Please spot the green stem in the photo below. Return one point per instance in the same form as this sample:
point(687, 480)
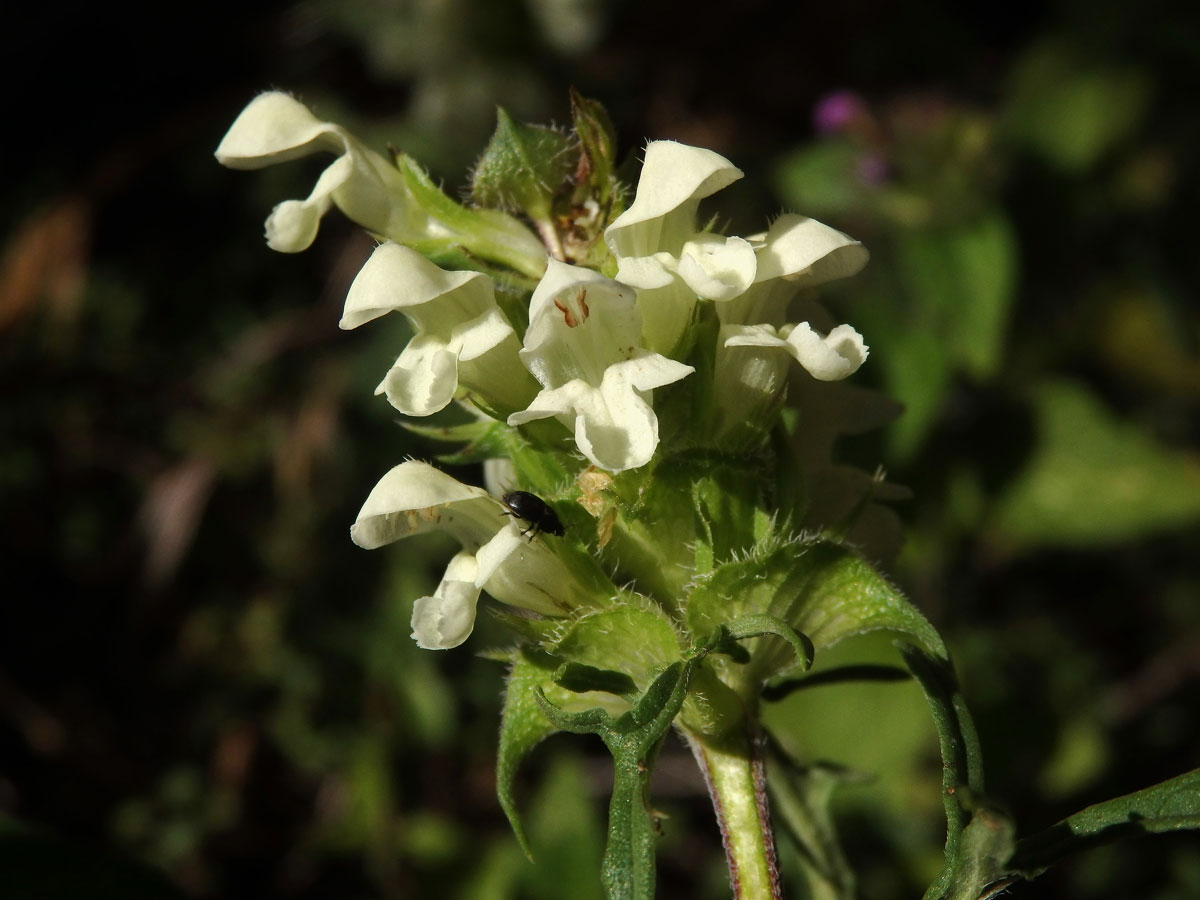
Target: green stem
point(733, 769)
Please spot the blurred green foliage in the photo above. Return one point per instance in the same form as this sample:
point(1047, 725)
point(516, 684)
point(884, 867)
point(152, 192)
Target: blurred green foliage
point(198, 670)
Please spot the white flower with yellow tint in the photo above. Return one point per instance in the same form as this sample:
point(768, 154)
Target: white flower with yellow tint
point(414, 497)
point(584, 346)
point(461, 343)
point(274, 128)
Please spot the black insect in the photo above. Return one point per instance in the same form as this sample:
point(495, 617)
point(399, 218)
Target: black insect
point(533, 509)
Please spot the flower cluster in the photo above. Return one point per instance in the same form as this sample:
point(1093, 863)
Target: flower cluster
point(573, 381)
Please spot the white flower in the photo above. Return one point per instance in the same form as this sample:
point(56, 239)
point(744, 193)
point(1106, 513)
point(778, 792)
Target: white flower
point(274, 128)
point(461, 338)
point(662, 217)
point(415, 497)
point(829, 358)
point(584, 346)
point(394, 199)
point(795, 253)
point(659, 251)
point(652, 239)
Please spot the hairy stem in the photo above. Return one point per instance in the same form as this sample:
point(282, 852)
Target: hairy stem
point(733, 769)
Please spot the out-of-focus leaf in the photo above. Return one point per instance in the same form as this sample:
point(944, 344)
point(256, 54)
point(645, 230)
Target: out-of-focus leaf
point(1070, 110)
point(566, 835)
point(1080, 755)
point(801, 798)
point(1094, 479)
point(917, 367)
point(962, 276)
point(821, 179)
point(1172, 805)
point(1152, 338)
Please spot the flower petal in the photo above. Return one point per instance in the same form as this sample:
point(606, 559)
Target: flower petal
point(804, 250)
point(579, 324)
point(447, 618)
point(457, 324)
point(644, 272)
point(397, 278)
point(675, 177)
point(831, 358)
point(415, 497)
point(827, 358)
point(716, 267)
point(614, 426)
point(274, 128)
point(424, 378)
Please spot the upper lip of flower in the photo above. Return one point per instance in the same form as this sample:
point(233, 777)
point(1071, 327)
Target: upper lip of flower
point(460, 333)
point(415, 497)
point(274, 128)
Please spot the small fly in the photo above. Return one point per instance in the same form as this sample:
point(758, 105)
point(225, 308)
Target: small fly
point(533, 509)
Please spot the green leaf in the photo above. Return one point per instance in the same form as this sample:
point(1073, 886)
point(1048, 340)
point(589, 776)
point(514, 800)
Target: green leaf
point(801, 797)
point(818, 588)
point(631, 639)
point(523, 168)
point(633, 738)
point(760, 625)
point(1070, 110)
point(523, 727)
point(579, 678)
point(978, 839)
point(1094, 479)
point(1172, 805)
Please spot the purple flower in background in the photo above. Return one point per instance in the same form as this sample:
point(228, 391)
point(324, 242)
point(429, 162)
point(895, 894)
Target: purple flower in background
point(837, 111)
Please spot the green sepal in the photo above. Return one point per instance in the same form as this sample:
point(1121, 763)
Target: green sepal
point(489, 235)
point(844, 595)
point(536, 630)
point(978, 839)
point(662, 541)
point(581, 678)
point(636, 640)
point(482, 440)
point(1172, 805)
point(523, 168)
point(597, 152)
point(817, 587)
point(633, 738)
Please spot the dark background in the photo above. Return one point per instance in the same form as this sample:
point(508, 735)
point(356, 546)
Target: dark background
point(199, 672)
